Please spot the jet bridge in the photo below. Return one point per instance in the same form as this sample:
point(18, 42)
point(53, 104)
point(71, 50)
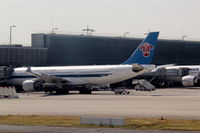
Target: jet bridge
point(163, 72)
point(163, 77)
point(5, 72)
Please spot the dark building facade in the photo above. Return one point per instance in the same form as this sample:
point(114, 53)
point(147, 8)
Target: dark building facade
point(177, 52)
point(90, 50)
point(22, 56)
point(85, 50)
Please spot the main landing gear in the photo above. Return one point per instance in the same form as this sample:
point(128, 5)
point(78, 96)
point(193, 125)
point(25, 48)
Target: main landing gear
point(85, 91)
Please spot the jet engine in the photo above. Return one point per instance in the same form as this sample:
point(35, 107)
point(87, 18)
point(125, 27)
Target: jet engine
point(30, 85)
point(190, 80)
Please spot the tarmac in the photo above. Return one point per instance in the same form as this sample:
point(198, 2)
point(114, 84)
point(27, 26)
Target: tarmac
point(169, 103)
point(46, 129)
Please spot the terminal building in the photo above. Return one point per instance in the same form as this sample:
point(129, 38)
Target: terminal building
point(16, 55)
point(97, 50)
point(63, 49)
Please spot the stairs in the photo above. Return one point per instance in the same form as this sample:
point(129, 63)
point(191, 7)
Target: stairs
point(143, 85)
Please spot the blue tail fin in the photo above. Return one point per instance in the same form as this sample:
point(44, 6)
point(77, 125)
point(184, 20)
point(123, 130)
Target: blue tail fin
point(145, 51)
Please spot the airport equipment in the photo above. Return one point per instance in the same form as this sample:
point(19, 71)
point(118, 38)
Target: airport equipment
point(143, 85)
point(175, 75)
point(121, 91)
point(8, 92)
point(98, 121)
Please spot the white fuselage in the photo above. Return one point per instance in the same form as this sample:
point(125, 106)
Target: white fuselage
point(82, 75)
point(193, 69)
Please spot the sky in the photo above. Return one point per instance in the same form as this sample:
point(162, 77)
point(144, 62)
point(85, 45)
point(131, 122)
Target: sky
point(173, 18)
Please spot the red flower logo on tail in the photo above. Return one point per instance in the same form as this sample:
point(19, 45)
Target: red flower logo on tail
point(146, 48)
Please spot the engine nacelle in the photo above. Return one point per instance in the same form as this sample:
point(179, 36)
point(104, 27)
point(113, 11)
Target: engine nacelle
point(190, 80)
point(30, 85)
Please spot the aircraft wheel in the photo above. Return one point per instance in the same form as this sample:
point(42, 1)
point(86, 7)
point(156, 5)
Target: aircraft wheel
point(86, 91)
point(62, 91)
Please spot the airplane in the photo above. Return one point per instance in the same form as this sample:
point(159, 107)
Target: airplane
point(63, 78)
point(189, 75)
point(169, 75)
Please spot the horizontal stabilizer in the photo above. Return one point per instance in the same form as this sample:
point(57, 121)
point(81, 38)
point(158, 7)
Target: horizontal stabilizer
point(137, 68)
point(162, 66)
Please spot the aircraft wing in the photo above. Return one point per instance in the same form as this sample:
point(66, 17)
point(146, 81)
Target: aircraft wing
point(46, 77)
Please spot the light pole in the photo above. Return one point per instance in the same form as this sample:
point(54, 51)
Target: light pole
point(183, 37)
point(89, 30)
point(12, 26)
point(53, 30)
point(125, 33)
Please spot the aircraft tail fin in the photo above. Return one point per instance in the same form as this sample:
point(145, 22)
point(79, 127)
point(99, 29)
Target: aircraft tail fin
point(145, 51)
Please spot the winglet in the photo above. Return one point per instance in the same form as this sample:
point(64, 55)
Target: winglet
point(145, 51)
